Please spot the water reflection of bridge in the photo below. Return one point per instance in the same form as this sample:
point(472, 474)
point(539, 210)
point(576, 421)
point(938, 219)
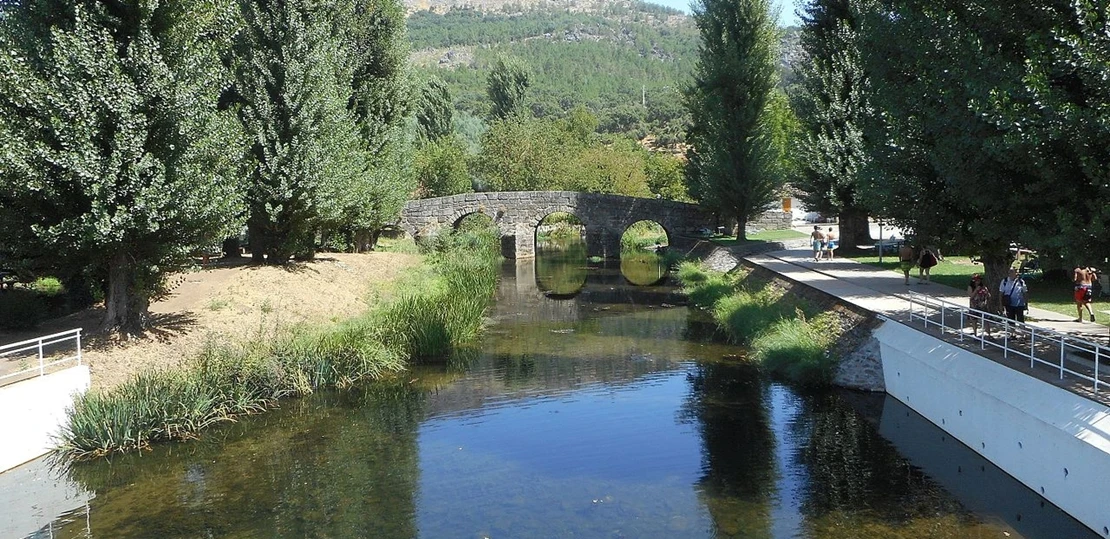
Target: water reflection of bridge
point(595, 287)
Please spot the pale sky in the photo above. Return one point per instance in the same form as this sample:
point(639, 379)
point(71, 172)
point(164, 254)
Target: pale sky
point(786, 15)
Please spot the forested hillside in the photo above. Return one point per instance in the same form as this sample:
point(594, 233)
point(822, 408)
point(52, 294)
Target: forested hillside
point(625, 62)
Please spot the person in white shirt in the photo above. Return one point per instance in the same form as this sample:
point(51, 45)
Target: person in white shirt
point(1014, 294)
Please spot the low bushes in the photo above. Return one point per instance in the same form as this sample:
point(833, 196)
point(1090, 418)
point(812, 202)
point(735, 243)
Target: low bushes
point(438, 313)
point(784, 337)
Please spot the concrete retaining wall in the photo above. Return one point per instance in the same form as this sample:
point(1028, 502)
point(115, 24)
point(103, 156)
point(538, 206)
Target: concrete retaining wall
point(36, 494)
point(1053, 441)
point(34, 410)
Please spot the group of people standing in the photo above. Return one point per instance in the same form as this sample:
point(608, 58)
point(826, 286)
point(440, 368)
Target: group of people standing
point(824, 243)
point(1013, 295)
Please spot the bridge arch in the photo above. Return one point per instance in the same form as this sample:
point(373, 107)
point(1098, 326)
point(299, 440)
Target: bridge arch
point(517, 214)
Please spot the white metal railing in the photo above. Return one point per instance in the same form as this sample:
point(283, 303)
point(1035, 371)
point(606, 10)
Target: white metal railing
point(955, 318)
point(39, 347)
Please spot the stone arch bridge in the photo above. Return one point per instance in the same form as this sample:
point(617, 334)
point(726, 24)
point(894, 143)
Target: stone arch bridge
point(517, 214)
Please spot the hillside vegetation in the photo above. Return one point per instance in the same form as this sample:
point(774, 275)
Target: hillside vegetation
point(625, 62)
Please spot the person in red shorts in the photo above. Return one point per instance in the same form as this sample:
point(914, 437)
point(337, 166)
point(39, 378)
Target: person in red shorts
point(1083, 277)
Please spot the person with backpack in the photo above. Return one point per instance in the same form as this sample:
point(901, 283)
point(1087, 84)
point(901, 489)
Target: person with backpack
point(979, 298)
point(1014, 296)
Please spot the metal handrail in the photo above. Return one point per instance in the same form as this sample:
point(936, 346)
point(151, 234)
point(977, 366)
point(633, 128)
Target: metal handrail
point(949, 312)
point(39, 344)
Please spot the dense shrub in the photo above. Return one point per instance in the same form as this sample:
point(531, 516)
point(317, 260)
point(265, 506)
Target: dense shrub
point(48, 286)
point(21, 309)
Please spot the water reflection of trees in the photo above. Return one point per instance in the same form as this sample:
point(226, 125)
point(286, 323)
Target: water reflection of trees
point(728, 405)
point(561, 267)
point(852, 470)
point(331, 465)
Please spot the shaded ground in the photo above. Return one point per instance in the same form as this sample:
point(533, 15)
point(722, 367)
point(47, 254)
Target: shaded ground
point(233, 301)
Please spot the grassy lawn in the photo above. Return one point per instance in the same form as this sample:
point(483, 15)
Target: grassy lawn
point(758, 237)
point(955, 271)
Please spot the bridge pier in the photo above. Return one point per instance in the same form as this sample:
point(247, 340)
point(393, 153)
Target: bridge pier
point(602, 242)
point(518, 243)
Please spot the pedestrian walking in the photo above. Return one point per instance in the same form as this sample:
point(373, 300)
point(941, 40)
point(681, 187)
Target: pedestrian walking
point(979, 298)
point(930, 256)
point(831, 242)
point(1084, 278)
point(906, 260)
point(818, 240)
point(1014, 294)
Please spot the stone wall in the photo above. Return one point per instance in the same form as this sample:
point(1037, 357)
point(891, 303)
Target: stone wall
point(772, 220)
point(517, 214)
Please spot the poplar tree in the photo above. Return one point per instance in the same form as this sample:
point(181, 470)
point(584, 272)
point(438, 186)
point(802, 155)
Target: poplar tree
point(830, 101)
point(731, 157)
point(507, 86)
point(291, 74)
point(115, 157)
point(434, 115)
point(372, 33)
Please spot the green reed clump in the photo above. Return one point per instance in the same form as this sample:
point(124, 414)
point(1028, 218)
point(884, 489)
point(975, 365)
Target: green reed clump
point(799, 350)
point(744, 314)
point(447, 312)
point(437, 316)
point(704, 288)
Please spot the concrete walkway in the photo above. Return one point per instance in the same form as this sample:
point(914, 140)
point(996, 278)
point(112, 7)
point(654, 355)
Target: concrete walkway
point(884, 292)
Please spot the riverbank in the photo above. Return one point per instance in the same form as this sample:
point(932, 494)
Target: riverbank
point(793, 332)
point(438, 311)
point(233, 301)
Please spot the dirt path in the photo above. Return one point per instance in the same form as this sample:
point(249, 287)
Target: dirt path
point(234, 301)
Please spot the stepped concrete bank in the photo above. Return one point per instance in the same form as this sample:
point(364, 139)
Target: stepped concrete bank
point(1054, 441)
point(34, 411)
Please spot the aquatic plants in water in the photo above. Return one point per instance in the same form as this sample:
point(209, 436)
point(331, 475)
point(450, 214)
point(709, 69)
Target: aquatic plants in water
point(433, 318)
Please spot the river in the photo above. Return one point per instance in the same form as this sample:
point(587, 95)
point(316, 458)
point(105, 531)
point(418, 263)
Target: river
point(593, 408)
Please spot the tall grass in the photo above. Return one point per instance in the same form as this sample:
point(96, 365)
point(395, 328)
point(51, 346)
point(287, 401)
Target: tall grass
point(782, 338)
point(439, 313)
point(799, 350)
point(704, 288)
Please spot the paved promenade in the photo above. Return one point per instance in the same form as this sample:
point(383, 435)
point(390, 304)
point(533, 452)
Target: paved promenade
point(884, 292)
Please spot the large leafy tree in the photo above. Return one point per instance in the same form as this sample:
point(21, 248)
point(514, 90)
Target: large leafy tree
point(1060, 115)
point(830, 100)
point(291, 78)
point(372, 33)
point(961, 153)
point(731, 158)
point(115, 154)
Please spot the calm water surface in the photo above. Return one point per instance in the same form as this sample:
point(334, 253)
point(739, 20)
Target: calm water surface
point(593, 409)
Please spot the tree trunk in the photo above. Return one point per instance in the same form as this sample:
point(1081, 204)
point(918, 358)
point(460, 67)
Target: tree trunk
point(741, 228)
point(257, 240)
point(231, 248)
point(854, 229)
point(125, 303)
point(995, 266)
